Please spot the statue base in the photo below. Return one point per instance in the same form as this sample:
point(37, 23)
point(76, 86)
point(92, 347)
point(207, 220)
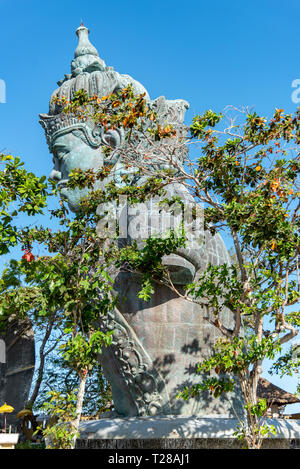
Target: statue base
point(178, 432)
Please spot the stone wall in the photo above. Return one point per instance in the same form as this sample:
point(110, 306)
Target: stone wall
point(183, 443)
point(182, 433)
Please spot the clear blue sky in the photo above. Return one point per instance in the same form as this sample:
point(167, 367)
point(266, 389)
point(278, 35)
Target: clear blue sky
point(210, 53)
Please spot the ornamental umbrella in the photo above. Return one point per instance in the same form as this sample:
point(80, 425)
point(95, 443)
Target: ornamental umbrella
point(6, 409)
point(27, 416)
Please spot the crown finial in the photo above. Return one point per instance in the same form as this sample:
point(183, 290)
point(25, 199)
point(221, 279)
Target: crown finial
point(84, 46)
point(86, 57)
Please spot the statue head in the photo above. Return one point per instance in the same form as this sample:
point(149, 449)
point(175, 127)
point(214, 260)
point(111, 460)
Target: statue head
point(79, 144)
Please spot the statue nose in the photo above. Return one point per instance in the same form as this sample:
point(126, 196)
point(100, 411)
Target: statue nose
point(55, 175)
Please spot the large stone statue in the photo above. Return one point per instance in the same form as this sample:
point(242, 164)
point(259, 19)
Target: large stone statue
point(156, 344)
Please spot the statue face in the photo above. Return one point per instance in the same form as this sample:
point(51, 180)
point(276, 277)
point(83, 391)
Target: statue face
point(70, 152)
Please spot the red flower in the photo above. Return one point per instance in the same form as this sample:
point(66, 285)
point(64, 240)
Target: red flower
point(28, 256)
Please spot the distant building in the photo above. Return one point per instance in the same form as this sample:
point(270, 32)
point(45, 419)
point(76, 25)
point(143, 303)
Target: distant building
point(276, 397)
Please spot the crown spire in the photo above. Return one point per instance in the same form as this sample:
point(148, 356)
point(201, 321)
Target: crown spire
point(84, 46)
point(86, 57)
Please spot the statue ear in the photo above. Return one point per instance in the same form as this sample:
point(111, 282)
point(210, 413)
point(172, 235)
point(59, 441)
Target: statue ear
point(113, 138)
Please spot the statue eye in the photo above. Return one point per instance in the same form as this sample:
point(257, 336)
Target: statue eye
point(61, 154)
point(112, 138)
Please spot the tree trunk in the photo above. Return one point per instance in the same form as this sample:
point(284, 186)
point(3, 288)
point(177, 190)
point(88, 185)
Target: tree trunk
point(79, 404)
point(43, 355)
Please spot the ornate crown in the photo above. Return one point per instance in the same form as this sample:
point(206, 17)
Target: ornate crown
point(61, 124)
point(90, 73)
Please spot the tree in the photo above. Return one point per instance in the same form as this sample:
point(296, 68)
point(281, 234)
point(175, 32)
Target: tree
point(246, 177)
point(21, 192)
point(65, 291)
point(60, 378)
